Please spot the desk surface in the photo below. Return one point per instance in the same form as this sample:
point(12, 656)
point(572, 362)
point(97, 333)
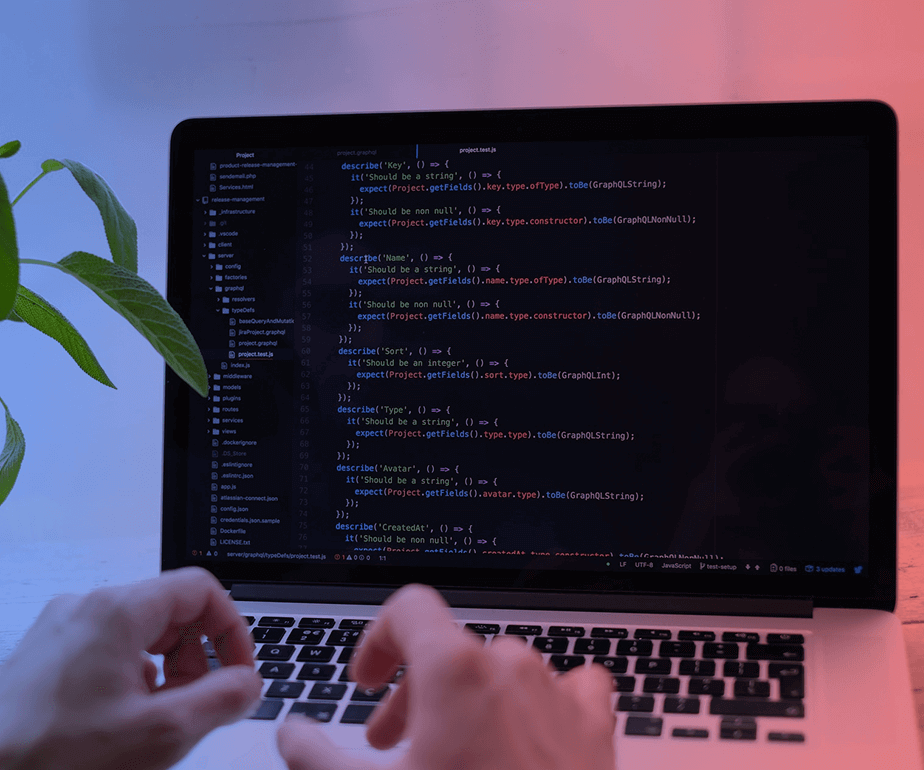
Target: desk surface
point(910, 604)
point(34, 573)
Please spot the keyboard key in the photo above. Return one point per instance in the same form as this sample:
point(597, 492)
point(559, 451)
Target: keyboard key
point(681, 705)
point(785, 669)
point(720, 650)
point(277, 670)
point(786, 737)
point(547, 644)
point(775, 652)
point(657, 633)
point(785, 639)
point(738, 729)
point(369, 696)
point(356, 713)
point(275, 652)
point(248, 619)
point(614, 665)
point(623, 684)
point(275, 620)
point(609, 633)
point(268, 635)
point(697, 668)
point(696, 636)
point(756, 708)
point(268, 709)
point(316, 623)
point(752, 688)
point(741, 670)
point(305, 635)
point(591, 646)
point(644, 726)
point(345, 654)
point(740, 636)
point(316, 672)
point(524, 630)
point(359, 625)
point(638, 647)
point(322, 712)
point(653, 666)
point(566, 631)
point(483, 628)
point(346, 637)
point(327, 691)
point(677, 650)
point(567, 662)
point(663, 684)
point(285, 689)
point(792, 687)
point(689, 732)
point(706, 687)
point(639, 703)
point(317, 654)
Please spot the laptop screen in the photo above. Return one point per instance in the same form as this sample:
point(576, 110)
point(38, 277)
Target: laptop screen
point(647, 349)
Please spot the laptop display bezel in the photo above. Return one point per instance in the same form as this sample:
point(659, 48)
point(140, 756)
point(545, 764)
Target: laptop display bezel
point(872, 120)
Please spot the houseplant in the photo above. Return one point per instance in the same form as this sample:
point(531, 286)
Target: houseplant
point(115, 281)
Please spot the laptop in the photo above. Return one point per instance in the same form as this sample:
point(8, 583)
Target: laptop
point(619, 381)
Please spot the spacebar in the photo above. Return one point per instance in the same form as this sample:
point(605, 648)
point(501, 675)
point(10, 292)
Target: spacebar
point(739, 707)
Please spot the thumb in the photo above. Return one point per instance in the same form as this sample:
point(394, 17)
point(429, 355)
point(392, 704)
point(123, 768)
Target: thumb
point(218, 698)
point(305, 746)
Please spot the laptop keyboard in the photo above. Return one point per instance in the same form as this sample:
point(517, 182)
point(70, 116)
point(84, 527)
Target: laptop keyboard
point(738, 676)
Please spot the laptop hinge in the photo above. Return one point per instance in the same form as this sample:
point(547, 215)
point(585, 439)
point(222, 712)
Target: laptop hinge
point(538, 600)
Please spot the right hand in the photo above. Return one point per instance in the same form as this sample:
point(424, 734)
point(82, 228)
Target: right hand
point(461, 704)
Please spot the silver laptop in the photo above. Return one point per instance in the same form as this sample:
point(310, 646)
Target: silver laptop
point(618, 381)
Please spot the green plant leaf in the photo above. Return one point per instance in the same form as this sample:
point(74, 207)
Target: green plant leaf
point(140, 304)
point(42, 315)
point(121, 232)
point(11, 455)
point(9, 254)
point(9, 149)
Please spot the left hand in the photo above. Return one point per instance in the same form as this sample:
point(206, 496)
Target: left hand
point(80, 694)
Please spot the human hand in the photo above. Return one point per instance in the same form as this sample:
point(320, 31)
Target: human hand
point(462, 704)
point(80, 694)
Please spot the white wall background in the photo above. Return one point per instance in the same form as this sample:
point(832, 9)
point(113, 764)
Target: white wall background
point(105, 81)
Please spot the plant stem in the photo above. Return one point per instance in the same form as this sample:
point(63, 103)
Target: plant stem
point(29, 186)
point(38, 261)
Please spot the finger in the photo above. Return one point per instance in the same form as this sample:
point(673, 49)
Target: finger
point(224, 694)
point(185, 662)
point(179, 606)
point(587, 691)
point(516, 661)
point(412, 625)
point(415, 626)
point(591, 686)
point(303, 745)
point(180, 717)
point(388, 722)
point(520, 673)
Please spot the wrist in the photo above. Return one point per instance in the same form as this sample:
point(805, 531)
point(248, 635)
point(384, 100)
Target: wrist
point(19, 750)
